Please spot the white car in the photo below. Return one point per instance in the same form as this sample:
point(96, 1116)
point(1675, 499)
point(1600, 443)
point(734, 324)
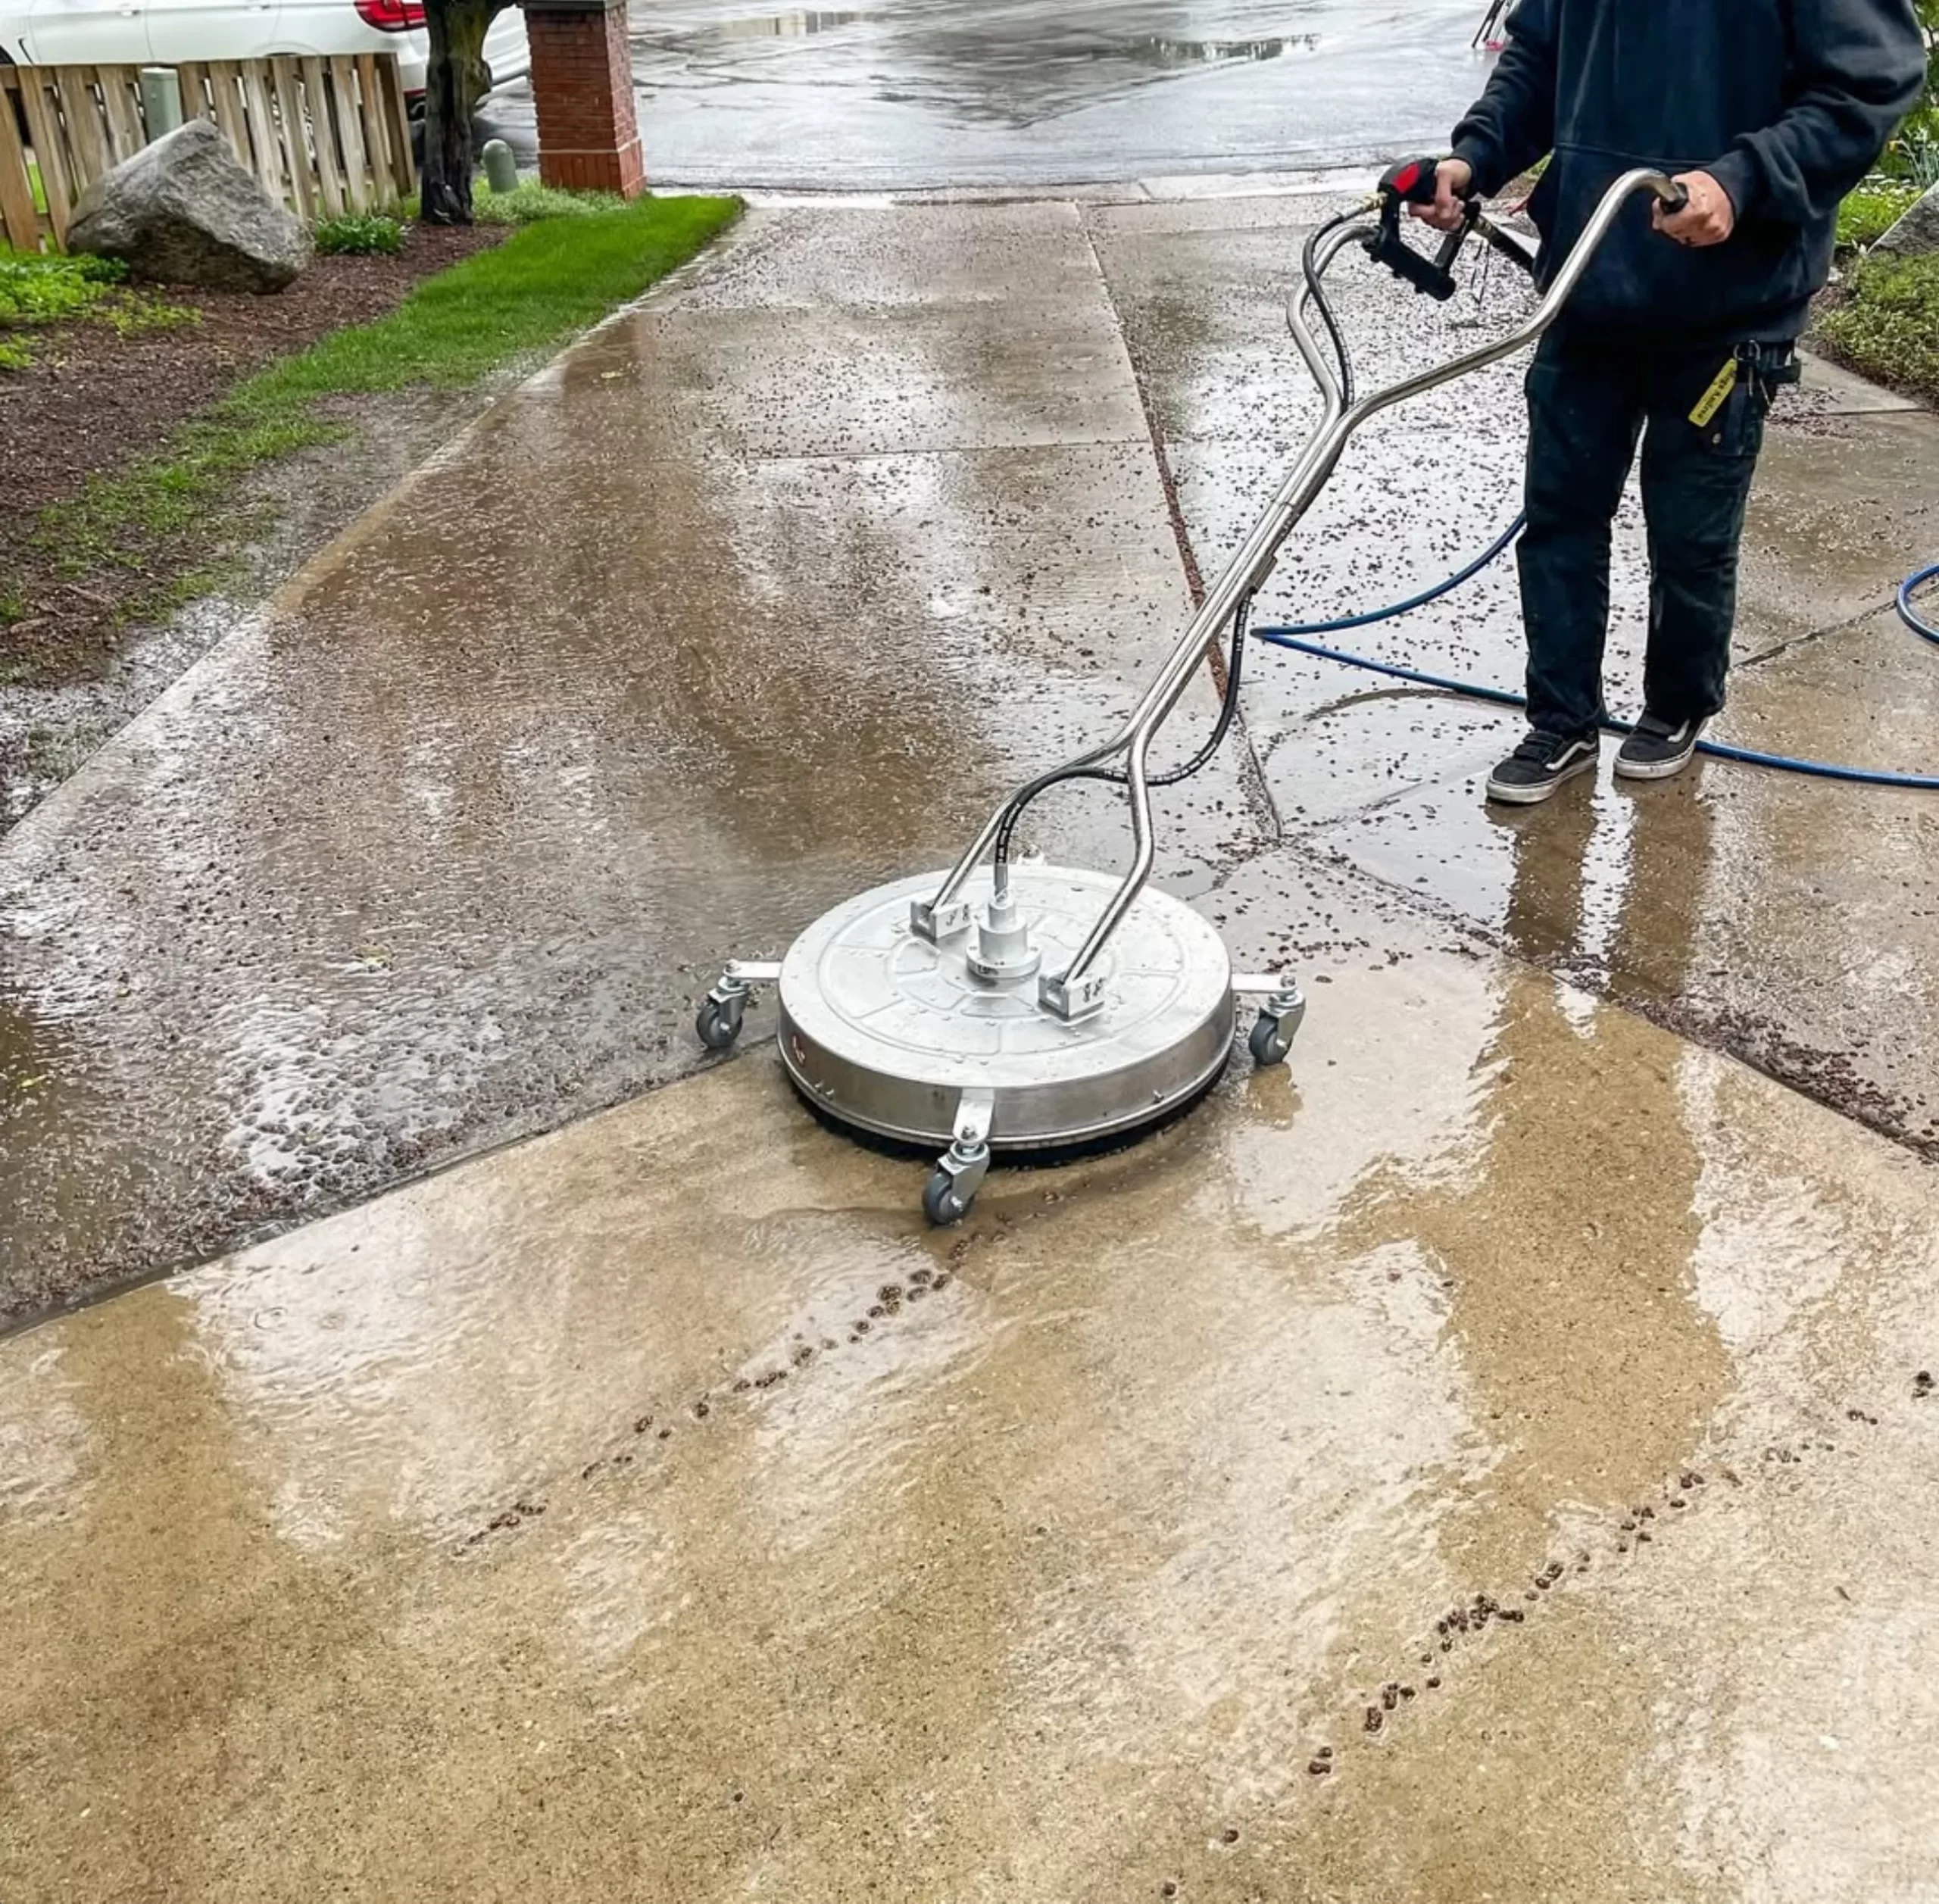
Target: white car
point(166, 33)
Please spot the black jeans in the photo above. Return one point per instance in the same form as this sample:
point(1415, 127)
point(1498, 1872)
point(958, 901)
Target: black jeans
point(1588, 403)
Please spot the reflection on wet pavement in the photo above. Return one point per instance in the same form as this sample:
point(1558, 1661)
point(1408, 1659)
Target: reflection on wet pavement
point(1488, 1458)
point(838, 536)
point(661, 1504)
point(912, 93)
point(1795, 922)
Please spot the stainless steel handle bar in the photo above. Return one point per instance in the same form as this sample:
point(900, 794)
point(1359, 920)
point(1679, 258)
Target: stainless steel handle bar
point(1066, 995)
point(936, 918)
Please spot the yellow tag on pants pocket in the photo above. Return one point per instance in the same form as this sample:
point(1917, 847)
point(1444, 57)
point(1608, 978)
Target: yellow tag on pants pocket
point(1712, 401)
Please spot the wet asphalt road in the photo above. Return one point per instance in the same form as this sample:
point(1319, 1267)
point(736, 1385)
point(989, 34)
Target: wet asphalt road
point(912, 93)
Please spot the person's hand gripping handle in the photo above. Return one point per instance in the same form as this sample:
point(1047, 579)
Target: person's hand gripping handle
point(1698, 212)
point(1437, 191)
point(1701, 215)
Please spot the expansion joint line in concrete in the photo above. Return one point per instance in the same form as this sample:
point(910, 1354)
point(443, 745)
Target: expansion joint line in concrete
point(1258, 794)
point(1812, 636)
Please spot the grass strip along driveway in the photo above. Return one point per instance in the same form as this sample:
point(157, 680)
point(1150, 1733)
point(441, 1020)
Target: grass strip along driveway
point(548, 281)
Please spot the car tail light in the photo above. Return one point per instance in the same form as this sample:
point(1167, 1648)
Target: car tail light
point(391, 16)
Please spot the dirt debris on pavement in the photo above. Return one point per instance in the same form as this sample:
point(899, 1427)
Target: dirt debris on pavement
point(1009, 1542)
point(1492, 1457)
point(898, 359)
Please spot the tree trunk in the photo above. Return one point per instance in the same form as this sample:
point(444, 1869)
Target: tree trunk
point(454, 79)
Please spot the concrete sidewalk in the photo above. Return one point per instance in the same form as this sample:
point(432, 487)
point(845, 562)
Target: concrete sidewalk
point(766, 593)
point(657, 1509)
point(1488, 1463)
point(1792, 921)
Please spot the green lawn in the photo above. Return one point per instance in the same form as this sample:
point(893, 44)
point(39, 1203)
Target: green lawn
point(1873, 210)
point(1883, 320)
point(1886, 327)
point(531, 201)
point(544, 283)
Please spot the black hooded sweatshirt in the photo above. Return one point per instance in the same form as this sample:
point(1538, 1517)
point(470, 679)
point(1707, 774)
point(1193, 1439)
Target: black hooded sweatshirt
point(1787, 104)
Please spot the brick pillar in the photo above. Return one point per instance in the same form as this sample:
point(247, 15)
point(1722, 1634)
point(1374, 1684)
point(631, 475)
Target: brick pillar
point(583, 87)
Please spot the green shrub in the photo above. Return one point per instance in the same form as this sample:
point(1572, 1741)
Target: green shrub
point(359, 235)
point(1873, 210)
point(528, 203)
point(37, 289)
point(1887, 325)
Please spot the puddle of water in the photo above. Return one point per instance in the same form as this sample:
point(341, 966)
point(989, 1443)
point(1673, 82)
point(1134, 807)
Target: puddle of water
point(1166, 53)
point(1059, 38)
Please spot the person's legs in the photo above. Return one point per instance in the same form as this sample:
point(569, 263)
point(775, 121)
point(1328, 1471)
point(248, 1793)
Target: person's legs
point(1696, 481)
point(1585, 411)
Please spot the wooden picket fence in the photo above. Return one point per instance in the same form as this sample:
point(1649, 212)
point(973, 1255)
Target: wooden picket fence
point(325, 136)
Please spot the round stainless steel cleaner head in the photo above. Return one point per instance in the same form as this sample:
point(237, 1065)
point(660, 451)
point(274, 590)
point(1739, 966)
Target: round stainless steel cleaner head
point(882, 1030)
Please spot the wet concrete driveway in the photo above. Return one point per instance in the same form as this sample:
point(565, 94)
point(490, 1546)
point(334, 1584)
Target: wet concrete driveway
point(1494, 1459)
point(764, 594)
point(1420, 1478)
point(1793, 922)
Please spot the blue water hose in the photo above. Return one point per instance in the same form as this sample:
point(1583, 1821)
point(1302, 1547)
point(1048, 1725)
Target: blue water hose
point(1909, 615)
point(1298, 637)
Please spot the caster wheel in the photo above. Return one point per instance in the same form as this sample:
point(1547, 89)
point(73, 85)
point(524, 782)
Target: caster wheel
point(718, 1028)
point(943, 1203)
point(1269, 1042)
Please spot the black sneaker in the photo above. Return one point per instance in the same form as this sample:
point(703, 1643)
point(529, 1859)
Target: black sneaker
point(1540, 765)
point(1658, 749)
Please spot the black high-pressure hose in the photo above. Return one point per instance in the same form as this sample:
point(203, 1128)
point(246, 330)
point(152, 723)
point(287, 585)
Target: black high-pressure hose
point(1229, 706)
point(1116, 776)
point(1310, 267)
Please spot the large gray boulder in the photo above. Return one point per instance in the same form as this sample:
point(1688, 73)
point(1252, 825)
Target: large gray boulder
point(184, 211)
point(1916, 235)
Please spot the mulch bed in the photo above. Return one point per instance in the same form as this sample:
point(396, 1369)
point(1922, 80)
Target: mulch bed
point(92, 402)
